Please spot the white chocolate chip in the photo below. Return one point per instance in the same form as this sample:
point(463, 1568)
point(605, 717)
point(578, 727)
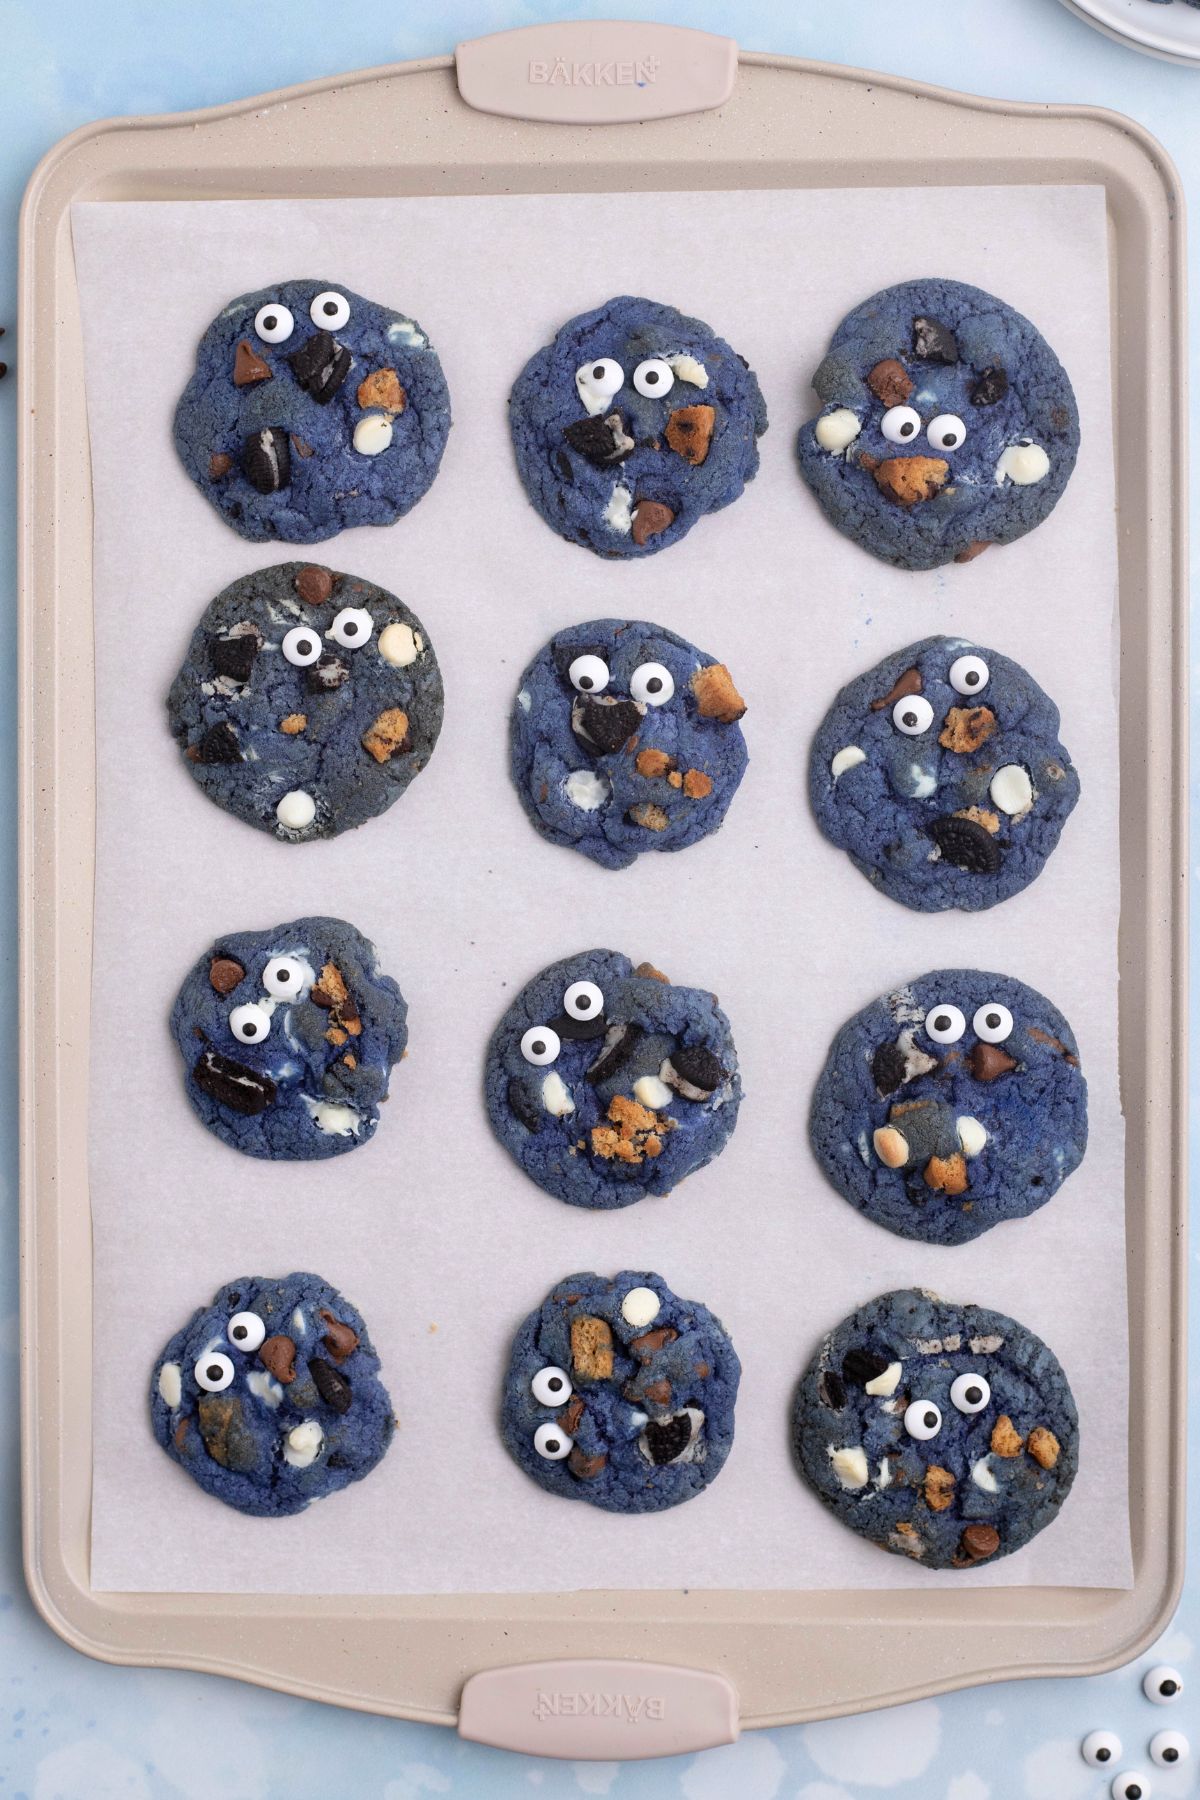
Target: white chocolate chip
point(849, 758)
point(924, 782)
point(264, 1387)
point(985, 1346)
point(972, 1136)
point(1023, 464)
point(170, 1385)
point(835, 431)
point(399, 644)
point(586, 789)
point(296, 811)
point(328, 1116)
point(850, 1466)
point(885, 1474)
point(556, 1096)
point(686, 368)
point(372, 434)
point(981, 1475)
point(618, 514)
point(524, 699)
point(1011, 790)
point(885, 1384)
point(302, 1445)
point(298, 1322)
point(652, 1092)
point(640, 1307)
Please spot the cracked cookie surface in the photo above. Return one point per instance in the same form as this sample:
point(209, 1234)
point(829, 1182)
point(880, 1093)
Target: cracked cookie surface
point(620, 1394)
point(944, 1433)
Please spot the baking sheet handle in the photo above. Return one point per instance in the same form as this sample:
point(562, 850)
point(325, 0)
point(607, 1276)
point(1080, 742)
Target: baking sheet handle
point(599, 1709)
point(596, 72)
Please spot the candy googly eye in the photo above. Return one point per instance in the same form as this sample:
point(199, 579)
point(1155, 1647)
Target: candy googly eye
point(551, 1386)
point(1167, 1748)
point(284, 977)
point(900, 424)
point(330, 310)
point(540, 1045)
point(1101, 1749)
point(944, 1024)
point(250, 1024)
point(213, 1371)
point(969, 674)
point(352, 627)
point(652, 684)
point(1162, 1684)
point(273, 323)
point(598, 381)
point(551, 1443)
point(946, 432)
point(969, 1393)
point(654, 378)
point(912, 715)
point(583, 1000)
point(993, 1022)
point(922, 1420)
point(301, 646)
point(1130, 1785)
point(245, 1331)
point(589, 674)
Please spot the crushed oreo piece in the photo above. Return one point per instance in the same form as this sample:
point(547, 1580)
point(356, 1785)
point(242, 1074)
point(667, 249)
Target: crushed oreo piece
point(562, 463)
point(581, 1030)
point(697, 1067)
point(619, 1044)
point(668, 1440)
point(604, 727)
point(831, 1390)
point(966, 844)
point(327, 674)
point(601, 441)
point(332, 1385)
point(267, 460)
point(524, 1103)
point(861, 1366)
point(234, 656)
point(933, 341)
point(320, 366)
point(889, 1068)
point(218, 745)
point(990, 388)
point(232, 1084)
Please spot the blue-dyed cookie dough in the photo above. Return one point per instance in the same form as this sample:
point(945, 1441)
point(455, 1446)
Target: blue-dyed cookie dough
point(625, 738)
point(950, 1105)
point(941, 774)
point(307, 701)
point(607, 1083)
point(621, 1394)
point(944, 1433)
point(632, 424)
point(947, 424)
point(311, 410)
point(271, 1396)
point(288, 1038)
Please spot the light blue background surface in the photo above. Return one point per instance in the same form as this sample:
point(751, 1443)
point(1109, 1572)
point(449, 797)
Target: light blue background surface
point(71, 1729)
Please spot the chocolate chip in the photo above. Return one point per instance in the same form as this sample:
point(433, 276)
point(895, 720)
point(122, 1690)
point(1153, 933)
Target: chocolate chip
point(965, 844)
point(340, 1339)
point(224, 974)
point(933, 341)
point(601, 441)
point(649, 1343)
point(831, 1390)
point(267, 460)
point(234, 656)
point(650, 519)
point(232, 1084)
point(333, 1387)
point(906, 684)
point(581, 1031)
point(668, 1440)
point(604, 729)
point(328, 674)
point(890, 382)
point(524, 1102)
point(219, 464)
point(979, 1541)
point(320, 366)
point(860, 1366)
point(888, 1068)
point(621, 1043)
point(248, 366)
point(278, 1354)
point(586, 1467)
point(218, 745)
point(989, 1060)
point(313, 584)
point(990, 388)
point(696, 1064)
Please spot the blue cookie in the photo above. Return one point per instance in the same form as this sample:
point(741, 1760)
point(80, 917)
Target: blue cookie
point(947, 424)
point(941, 774)
point(951, 1105)
point(944, 1433)
point(307, 701)
point(633, 424)
point(625, 738)
point(312, 410)
point(620, 1394)
point(606, 1083)
point(288, 1038)
point(271, 1396)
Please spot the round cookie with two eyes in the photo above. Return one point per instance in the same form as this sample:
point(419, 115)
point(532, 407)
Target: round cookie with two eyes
point(633, 424)
point(307, 702)
point(950, 1105)
point(270, 1397)
point(606, 1082)
point(288, 1038)
point(944, 1433)
point(621, 1394)
point(625, 738)
point(941, 774)
point(312, 410)
point(947, 424)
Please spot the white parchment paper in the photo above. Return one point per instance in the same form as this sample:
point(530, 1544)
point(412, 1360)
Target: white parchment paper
point(431, 1229)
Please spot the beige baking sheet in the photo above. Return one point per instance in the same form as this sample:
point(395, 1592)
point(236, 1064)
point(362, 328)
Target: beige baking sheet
point(430, 1229)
